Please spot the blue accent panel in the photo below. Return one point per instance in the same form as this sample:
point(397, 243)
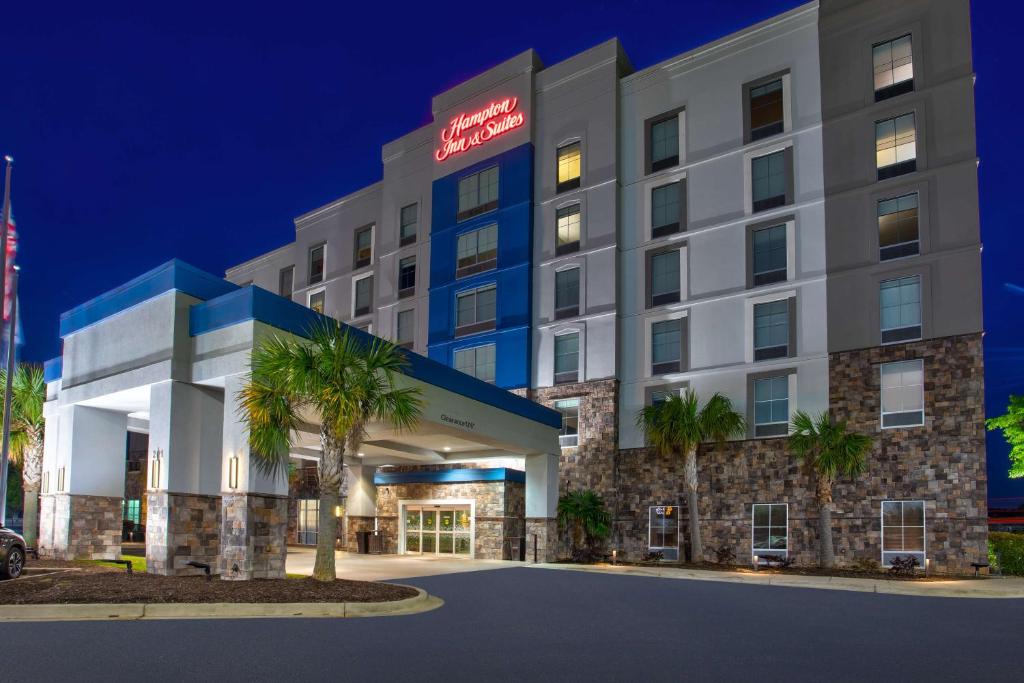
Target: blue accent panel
point(450, 476)
point(512, 276)
point(53, 369)
point(173, 275)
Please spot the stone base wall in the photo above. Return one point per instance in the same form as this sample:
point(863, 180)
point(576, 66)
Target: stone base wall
point(181, 528)
point(542, 539)
point(80, 527)
point(253, 544)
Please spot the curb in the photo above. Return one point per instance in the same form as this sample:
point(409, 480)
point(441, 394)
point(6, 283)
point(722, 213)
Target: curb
point(422, 602)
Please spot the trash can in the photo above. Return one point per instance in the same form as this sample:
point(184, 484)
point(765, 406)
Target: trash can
point(363, 542)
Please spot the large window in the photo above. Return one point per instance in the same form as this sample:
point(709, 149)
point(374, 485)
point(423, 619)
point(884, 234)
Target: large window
point(569, 158)
point(131, 510)
point(898, 234)
point(903, 394)
point(771, 330)
point(900, 309)
point(477, 251)
point(770, 522)
point(663, 531)
point(405, 328)
point(663, 142)
point(308, 520)
point(569, 437)
point(286, 282)
point(363, 300)
point(663, 277)
point(406, 277)
point(896, 146)
point(568, 229)
point(766, 110)
point(902, 530)
point(363, 247)
point(894, 67)
point(408, 224)
point(667, 346)
point(567, 293)
point(316, 264)
point(667, 208)
point(476, 310)
point(768, 252)
point(478, 193)
point(771, 406)
point(567, 357)
point(769, 177)
point(318, 300)
point(477, 362)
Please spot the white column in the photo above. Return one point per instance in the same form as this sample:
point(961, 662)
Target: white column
point(362, 492)
point(242, 475)
point(542, 507)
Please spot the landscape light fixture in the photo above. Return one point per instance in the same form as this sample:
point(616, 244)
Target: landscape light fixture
point(757, 561)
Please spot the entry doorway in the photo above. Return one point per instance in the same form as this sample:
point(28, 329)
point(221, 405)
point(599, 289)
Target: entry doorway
point(443, 529)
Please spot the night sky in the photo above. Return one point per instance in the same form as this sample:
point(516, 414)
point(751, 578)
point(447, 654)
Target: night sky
point(191, 131)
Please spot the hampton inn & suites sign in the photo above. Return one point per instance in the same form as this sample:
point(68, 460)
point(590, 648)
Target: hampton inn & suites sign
point(467, 131)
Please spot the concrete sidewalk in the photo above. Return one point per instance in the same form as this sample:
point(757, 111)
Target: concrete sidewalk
point(986, 587)
point(388, 567)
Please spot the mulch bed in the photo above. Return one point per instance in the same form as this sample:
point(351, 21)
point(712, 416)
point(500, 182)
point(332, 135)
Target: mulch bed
point(78, 587)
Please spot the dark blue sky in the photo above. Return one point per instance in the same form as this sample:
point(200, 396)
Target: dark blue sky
point(194, 131)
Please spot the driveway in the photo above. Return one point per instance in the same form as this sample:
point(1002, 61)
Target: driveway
point(548, 625)
point(388, 567)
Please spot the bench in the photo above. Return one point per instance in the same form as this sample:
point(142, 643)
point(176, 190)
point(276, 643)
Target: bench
point(977, 566)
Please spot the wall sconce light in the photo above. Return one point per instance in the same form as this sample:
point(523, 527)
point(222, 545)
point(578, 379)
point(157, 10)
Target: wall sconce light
point(233, 472)
point(757, 561)
point(154, 469)
point(60, 479)
point(338, 512)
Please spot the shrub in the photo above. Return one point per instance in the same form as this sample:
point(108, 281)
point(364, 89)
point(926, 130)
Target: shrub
point(865, 564)
point(903, 566)
point(1006, 552)
point(725, 555)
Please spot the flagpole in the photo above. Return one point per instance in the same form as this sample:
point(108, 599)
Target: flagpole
point(11, 344)
point(3, 300)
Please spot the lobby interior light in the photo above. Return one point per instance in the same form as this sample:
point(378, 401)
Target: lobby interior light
point(338, 511)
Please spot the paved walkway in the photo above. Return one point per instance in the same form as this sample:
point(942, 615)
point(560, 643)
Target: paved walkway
point(388, 567)
point(986, 587)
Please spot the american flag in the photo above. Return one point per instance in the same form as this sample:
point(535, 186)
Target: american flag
point(12, 251)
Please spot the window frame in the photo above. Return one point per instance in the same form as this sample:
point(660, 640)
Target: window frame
point(783, 77)
point(571, 183)
point(407, 343)
point(893, 89)
point(570, 311)
point(679, 225)
point(906, 333)
point(404, 240)
point(356, 282)
point(566, 377)
point(771, 352)
point(767, 430)
point(769, 277)
point(906, 248)
point(309, 299)
point(775, 201)
point(290, 270)
point(673, 551)
point(567, 211)
point(881, 396)
point(476, 350)
point(322, 246)
point(651, 166)
point(565, 439)
point(666, 298)
point(897, 168)
point(924, 532)
point(363, 262)
point(479, 208)
point(478, 266)
point(410, 290)
point(669, 367)
point(477, 325)
point(767, 552)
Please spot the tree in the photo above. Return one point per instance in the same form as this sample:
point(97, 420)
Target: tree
point(679, 425)
point(346, 382)
point(587, 518)
point(828, 450)
point(1012, 426)
point(28, 393)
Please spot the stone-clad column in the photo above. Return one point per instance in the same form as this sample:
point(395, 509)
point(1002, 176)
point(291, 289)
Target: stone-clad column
point(541, 507)
point(360, 501)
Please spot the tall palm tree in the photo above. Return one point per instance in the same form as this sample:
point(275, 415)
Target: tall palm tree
point(679, 425)
point(346, 382)
point(828, 450)
point(28, 393)
point(586, 516)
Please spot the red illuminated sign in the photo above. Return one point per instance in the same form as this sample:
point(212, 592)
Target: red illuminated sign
point(467, 131)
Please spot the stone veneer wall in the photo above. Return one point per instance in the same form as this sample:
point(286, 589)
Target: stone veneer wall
point(253, 544)
point(182, 527)
point(80, 527)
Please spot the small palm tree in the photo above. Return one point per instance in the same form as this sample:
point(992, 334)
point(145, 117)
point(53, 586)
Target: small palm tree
point(828, 450)
point(28, 393)
point(587, 518)
point(679, 425)
point(346, 382)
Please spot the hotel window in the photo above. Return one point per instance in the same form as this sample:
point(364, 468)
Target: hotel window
point(569, 157)
point(770, 180)
point(308, 522)
point(771, 406)
point(765, 109)
point(363, 247)
point(896, 146)
point(318, 300)
point(663, 281)
point(567, 357)
point(567, 293)
point(478, 193)
point(408, 222)
point(131, 510)
point(902, 530)
point(772, 327)
point(900, 309)
point(903, 394)
point(770, 522)
point(894, 68)
point(286, 282)
point(662, 394)
point(663, 142)
point(569, 437)
point(405, 328)
point(768, 255)
point(898, 234)
point(406, 277)
point(475, 310)
point(477, 362)
point(363, 299)
point(663, 531)
point(568, 225)
point(668, 204)
point(477, 251)
point(316, 264)
point(667, 346)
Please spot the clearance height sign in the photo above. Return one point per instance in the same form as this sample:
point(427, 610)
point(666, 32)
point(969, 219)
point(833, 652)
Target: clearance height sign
point(469, 130)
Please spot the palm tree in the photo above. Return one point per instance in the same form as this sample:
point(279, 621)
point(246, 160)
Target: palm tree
point(828, 450)
point(346, 382)
point(587, 518)
point(678, 425)
point(28, 393)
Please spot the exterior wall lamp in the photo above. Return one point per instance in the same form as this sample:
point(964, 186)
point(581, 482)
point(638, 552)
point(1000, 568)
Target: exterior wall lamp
point(154, 468)
point(233, 472)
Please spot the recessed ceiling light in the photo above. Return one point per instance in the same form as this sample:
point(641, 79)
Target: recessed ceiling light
point(360, 454)
point(447, 448)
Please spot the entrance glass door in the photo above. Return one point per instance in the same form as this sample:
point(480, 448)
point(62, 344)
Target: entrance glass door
point(438, 530)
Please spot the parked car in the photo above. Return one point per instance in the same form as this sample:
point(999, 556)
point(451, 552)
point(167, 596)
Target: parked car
point(12, 554)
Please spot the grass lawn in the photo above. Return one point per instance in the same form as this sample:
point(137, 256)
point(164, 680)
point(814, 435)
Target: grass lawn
point(138, 562)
